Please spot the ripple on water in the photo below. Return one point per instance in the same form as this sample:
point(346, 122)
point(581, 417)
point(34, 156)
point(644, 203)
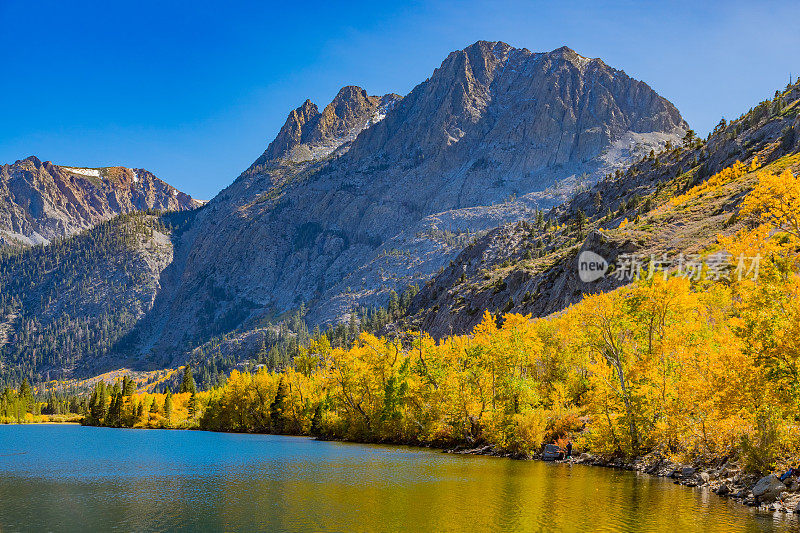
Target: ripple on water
point(76, 478)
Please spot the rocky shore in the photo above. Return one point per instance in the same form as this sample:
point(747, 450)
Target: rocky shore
point(723, 477)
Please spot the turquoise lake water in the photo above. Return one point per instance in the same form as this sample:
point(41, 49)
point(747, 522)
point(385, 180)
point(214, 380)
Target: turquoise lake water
point(72, 478)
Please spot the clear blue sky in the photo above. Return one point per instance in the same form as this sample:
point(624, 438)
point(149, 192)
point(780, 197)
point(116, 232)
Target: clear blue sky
point(194, 91)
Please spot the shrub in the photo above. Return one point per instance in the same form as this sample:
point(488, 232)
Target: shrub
point(563, 425)
point(761, 449)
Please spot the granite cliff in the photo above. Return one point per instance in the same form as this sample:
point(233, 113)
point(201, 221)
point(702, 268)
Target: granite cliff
point(376, 193)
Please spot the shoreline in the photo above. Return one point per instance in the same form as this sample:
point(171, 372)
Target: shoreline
point(722, 477)
point(55, 423)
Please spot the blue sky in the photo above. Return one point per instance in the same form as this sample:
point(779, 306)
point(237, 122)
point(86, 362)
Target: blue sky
point(194, 91)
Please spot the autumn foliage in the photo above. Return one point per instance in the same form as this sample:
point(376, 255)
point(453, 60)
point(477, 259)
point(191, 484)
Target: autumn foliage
point(687, 368)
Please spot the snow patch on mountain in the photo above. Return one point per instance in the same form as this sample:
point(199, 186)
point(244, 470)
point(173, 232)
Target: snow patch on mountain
point(84, 171)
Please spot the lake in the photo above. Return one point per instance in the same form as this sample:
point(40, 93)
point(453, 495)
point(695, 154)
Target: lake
point(66, 477)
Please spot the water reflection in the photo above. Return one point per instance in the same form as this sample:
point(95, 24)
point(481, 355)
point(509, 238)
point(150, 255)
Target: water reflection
point(74, 478)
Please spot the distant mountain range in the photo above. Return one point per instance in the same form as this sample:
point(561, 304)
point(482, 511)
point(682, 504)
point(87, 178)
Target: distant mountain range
point(41, 201)
point(347, 205)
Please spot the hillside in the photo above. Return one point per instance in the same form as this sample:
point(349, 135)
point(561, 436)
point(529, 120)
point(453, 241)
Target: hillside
point(65, 305)
point(41, 201)
point(532, 266)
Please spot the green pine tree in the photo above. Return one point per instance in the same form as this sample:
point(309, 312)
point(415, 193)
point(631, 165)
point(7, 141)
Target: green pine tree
point(102, 401)
point(188, 384)
point(154, 406)
point(316, 421)
point(26, 396)
point(128, 387)
point(168, 405)
point(276, 409)
point(191, 406)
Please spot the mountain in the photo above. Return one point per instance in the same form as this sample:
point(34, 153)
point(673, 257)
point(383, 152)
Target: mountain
point(531, 267)
point(41, 201)
point(348, 205)
point(377, 193)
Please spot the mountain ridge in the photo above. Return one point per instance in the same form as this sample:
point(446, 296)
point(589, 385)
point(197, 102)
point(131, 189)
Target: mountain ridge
point(41, 201)
point(310, 134)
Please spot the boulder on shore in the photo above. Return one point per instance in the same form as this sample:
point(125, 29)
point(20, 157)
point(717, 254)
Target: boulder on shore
point(723, 490)
point(768, 488)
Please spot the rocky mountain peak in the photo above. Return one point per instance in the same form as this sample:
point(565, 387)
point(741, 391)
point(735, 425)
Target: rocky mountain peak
point(565, 52)
point(291, 133)
point(308, 134)
point(390, 187)
point(491, 104)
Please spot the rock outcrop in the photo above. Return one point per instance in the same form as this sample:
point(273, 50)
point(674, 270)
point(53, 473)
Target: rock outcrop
point(309, 134)
point(768, 488)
